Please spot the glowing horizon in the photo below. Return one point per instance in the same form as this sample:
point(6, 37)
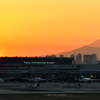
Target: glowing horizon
point(44, 27)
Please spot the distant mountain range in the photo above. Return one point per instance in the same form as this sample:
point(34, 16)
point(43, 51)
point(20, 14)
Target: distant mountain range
point(89, 49)
point(95, 44)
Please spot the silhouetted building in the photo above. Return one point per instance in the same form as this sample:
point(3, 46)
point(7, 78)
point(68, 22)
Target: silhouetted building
point(72, 56)
point(61, 56)
point(79, 58)
point(51, 56)
point(90, 59)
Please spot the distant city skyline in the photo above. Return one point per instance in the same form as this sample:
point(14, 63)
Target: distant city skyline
point(45, 27)
point(85, 59)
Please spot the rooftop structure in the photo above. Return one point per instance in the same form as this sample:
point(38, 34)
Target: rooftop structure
point(35, 60)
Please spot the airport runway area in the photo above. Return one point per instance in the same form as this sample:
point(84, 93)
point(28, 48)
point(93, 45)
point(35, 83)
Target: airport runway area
point(49, 91)
point(49, 87)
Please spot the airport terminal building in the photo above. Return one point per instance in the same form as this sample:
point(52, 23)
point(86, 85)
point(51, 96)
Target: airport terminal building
point(35, 60)
point(12, 66)
point(48, 67)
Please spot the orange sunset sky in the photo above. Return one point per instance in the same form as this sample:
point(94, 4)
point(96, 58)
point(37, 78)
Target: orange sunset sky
point(43, 27)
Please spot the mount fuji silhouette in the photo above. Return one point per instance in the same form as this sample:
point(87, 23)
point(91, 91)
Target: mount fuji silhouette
point(88, 49)
point(95, 44)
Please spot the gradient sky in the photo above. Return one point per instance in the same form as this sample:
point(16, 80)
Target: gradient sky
point(43, 27)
